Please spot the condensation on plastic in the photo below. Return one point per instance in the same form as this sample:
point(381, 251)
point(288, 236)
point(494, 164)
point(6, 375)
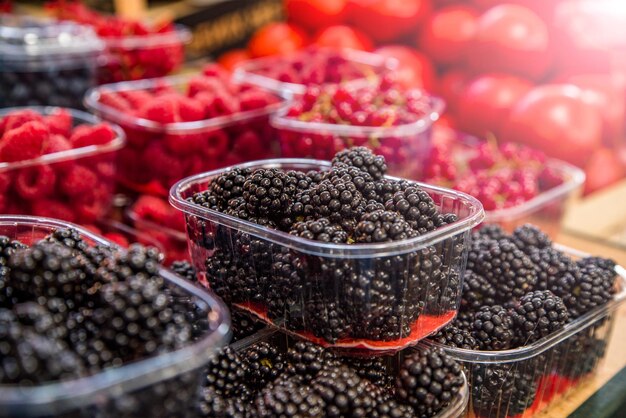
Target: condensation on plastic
point(139, 388)
point(540, 374)
point(251, 71)
point(216, 237)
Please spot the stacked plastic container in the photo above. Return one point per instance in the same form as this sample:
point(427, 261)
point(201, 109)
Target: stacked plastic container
point(160, 386)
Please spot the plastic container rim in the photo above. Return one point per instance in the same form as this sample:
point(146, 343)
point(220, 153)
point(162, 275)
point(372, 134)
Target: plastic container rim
point(132, 215)
point(81, 392)
point(92, 102)
point(475, 216)
point(244, 71)
point(546, 343)
point(279, 120)
point(180, 34)
point(72, 154)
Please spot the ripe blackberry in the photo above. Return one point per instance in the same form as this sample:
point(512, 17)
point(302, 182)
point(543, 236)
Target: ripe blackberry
point(344, 392)
point(208, 200)
point(363, 159)
point(428, 380)
point(579, 354)
point(231, 278)
point(508, 269)
point(69, 237)
point(490, 232)
point(503, 390)
point(452, 336)
point(416, 206)
point(288, 284)
point(316, 176)
point(537, 315)
point(225, 187)
point(287, 397)
point(390, 408)
point(263, 363)
point(120, 265)
point(268, 191)
point(326, 317)
point(320, 230)
point(477, 292)
point(529, 237)
point(493, 328)
point(212, 404)
point(243, 326)
point(605, 264)
point(307, 359)
point(363, 182)
point(336, 201)
point(375, 369)
point(584, 290)
point(238, 207)
point(184, 269)
point(464, 321)
point(7, 248)
point(226, 374)
point(383, 226)
point(551, 265)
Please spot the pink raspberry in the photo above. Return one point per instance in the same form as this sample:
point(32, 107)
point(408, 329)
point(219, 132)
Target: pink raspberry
point(17, 118)
point(161, 109)
point(79, 180)
point(60, 122)
point(56, 143)
point(255, 99)
point(137, 98)
point(190, 109)
point(85, 135)
point(116, 101)
point(217, 143)
point(24, 143)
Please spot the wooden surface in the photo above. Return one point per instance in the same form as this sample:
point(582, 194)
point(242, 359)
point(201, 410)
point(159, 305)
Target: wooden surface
point(615, 359)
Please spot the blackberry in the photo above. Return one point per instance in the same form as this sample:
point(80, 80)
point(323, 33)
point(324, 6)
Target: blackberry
point(605, 264)
point(307, 359)
point(344, 392)
point(375, 369)
point(390, 408)
point(41, 320)
point(529, 237)
point(503, 390)
point(211, 404)
point(232, 278)
point(416, 206)
point(477, 292)
point(508, 269)
point(320, 230)
point(464, 321)
point(238, 207)
point(226, 374)
point(263, 364)
point(428, 380)
point(537, 315)
point(551, 266)
point(268, 191)
point(120, 265)
point(184, 269)
point(326, 318)
point(288, 284)
point(363, 159)
point(493, 328)
point(225, 187)
point(243, 326)
point(208, 200)
point(383, 226)
point(286, 398)
point(452, 336)
point(336, 201)
point(7, 248)
point(363, 182)
point(316, 176)
point(69, 237)
point(579, 354)
point(490, 232)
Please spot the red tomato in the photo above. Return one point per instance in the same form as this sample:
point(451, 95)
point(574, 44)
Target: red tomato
point(486, 102)
point(313, 14)
point(510, 39)
point(603, 169)
point(414, 68)
point(276, 39)
point(544, 8)
point(342, 36)
point(556, 119)
point(388, 20)
point(446, 33)
point(233, 57)
point(450, 87)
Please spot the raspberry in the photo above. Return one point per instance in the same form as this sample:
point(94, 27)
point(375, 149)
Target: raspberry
point(116, 101)
point(137, 98)
point(151, 208)
point(78, 180)
point(185, 144)
point(190, 109)
point(204, 85)
point(35, 182)
point(216, 144)
point(53, 209)
point(163, 166)
point(17, 118)
point(56, 143)
point(24, 143)
point(85, 135)
point(255, 99)
point(161, 109)
point(60, 122)
point(249, 145)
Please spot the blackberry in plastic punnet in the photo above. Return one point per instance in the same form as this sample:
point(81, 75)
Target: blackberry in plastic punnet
point(537, 315)
point(308, 359)
point(320, 230)
point(120, 265)
point(503, 390)
point(383, 226)
point(206, 199)
point(375, 369)
point(231, 278)
point(227, 186)
point(605, 264)
point(464, 321)
point(363, 182)
point(493, 328)
point(551, 265)
point(267, 191)
point(363, 159)
point(243, 326)
point(263, 364)
point(451, 336)
point(344, 392)
point(477, 292)
point(8, 247)
point(490, 232)
point(508, 269)
point(286, 398)
point(211, 404)
point(390, 408)
point(579, 354)
point(416, 206)
point(69, 237)
point(428, 380)
point(337, 201)
point(226, 375)
point(238, 207)
point(184, 269)
point(326, 318)
point(529, 238)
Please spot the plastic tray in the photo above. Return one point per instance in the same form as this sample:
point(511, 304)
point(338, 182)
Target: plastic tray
point(313, 301)
point(140, 172)
point(405, 147)
point(365, 64)
point(541, 373)
point(55, 201)
point(144, 56)
point(46, 63)
point(160, 386)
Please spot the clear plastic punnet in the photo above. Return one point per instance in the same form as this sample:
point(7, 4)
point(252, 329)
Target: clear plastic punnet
point(46, 185)
point(312, 66)
point(44, 62)
point(161, 386)
point(522, 382)
point(405, 147)
point(381, 297)
point(152, 162)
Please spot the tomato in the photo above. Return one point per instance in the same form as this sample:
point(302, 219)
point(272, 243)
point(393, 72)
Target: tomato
point(277, 39)
point(544, 8)
point(313, 14)
point(603, 169)
point(414, 68)
point(510, 39)
point(388, 20)
point(446, 33)
point(556, 119)
point(342, 36)
point(233, 57)
point(486, 102)
point(450, 87)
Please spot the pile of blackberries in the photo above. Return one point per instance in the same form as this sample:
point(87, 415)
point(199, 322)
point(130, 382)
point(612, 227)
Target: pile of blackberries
point(332, 296)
